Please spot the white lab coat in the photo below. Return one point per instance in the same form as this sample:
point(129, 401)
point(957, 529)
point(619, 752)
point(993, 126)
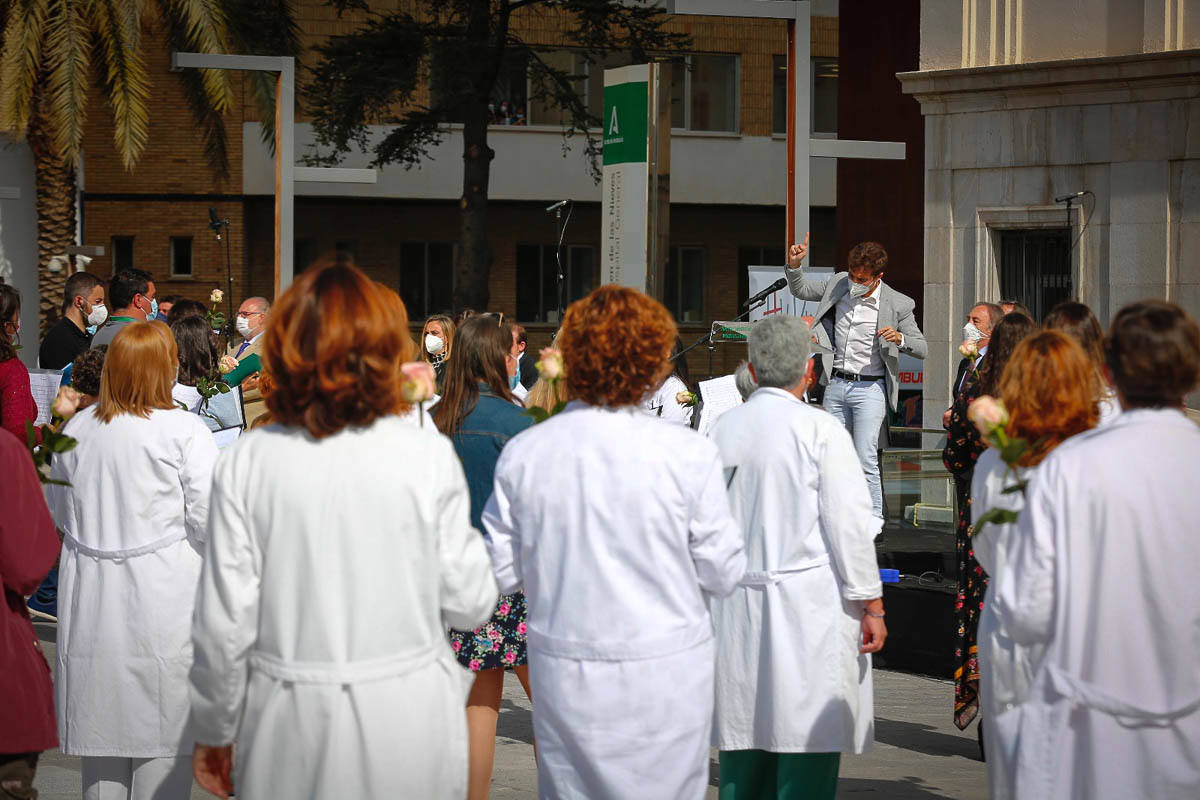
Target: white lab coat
point(333, 568)
point(662, 403)
point(618, 528)
point(1103, 576)
point(134, 520)
point(789, 677)
point(1006, 668)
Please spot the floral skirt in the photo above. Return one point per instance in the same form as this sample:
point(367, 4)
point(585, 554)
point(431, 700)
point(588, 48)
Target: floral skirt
point(498, 643)
point(972, 585)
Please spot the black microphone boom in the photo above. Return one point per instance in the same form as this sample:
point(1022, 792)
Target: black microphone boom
point(767, 292)
point(1072, 196)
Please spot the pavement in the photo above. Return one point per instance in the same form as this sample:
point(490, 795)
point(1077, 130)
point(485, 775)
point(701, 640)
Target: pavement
point(918, 753)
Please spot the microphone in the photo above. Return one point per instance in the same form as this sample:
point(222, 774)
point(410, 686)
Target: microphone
point(1073, 196)
point(557, 205)
point(214, 221)
point(770, 290)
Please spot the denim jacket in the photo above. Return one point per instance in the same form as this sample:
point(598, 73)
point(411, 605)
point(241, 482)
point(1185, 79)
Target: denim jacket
point(479, 440)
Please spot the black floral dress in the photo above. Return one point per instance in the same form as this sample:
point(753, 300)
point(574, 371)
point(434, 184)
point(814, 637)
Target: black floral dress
point(498, 643)
point(963, 448)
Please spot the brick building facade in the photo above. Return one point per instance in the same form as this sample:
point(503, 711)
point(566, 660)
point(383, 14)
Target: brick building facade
point(135, 215)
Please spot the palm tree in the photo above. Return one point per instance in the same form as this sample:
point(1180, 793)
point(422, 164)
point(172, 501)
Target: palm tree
point(51, 53)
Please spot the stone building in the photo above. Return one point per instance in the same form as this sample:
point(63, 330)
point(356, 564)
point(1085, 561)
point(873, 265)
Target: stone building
point(1026, 106)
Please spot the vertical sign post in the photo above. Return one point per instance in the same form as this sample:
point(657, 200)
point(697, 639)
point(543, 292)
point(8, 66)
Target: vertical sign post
point(636, 177)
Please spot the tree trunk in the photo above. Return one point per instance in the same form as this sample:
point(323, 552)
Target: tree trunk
point(473, 264)
point(56, 187)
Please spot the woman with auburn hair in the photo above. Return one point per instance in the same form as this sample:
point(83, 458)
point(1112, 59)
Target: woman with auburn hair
point(963, 447)
point(340, 548)
point(1048, 390)
point(477, 412)
point(134, 519)
point(619, 529)
point(1077, 321)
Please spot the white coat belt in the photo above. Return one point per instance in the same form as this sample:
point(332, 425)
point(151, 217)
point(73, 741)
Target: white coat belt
point(131, 552)
point(772, 576)
point(624, 649)
point(330, 672)
point(1098, 699)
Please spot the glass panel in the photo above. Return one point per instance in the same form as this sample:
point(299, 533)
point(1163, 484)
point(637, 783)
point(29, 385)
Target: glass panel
point(678, 82)
point(714, 93)
point(544, 112)
point(304, 253)
point(439, 260)
point(529, 283)
point(691, 284)
point(510, 93)
point(181, 256)
point(412, 279)
point(825, 95)
point(550, 283)
point(583, 277)
point(779, 94)
point(344, 252)
point(122, 248)
point(822, 222)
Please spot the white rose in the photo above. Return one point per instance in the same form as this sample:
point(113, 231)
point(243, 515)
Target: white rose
point(551, 365)
point(216, 296)
point(988, 414)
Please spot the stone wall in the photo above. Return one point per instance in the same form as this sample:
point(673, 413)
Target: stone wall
point(1003, 142)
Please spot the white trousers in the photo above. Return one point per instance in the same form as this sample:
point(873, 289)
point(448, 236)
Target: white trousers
point(114, 778)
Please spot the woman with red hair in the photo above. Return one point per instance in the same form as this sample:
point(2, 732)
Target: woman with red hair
point(619, 529)
point(1049, 389)
point(340, 548)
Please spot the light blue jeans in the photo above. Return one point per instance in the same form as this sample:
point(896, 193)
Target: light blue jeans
point(862, 407)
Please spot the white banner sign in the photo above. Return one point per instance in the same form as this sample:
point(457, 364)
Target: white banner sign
point(625, 179)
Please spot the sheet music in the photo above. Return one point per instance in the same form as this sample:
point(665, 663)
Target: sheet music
point(719, 395)
point(44, 384)
point(226, 436)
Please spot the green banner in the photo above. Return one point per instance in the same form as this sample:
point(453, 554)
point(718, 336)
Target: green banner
point(625, 112)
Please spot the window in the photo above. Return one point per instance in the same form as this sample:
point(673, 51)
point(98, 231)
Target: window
point(683, 289)
point(344, 252)
point(181, 256)
point(1035, 267)
point(755, 256)
point(122, 253)
point(704, 94)
point(823, 93)
point(426, 277)
point(304, 253)
point(537, 279)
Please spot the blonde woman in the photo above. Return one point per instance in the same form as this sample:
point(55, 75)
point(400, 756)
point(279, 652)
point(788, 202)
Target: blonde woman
point(133, 520)
point(437, 339)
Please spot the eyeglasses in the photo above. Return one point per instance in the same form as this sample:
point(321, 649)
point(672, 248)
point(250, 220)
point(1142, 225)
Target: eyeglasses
point(244, 314)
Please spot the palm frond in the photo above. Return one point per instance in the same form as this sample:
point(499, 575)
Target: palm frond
point(126, 85)
point(263, 28)
point(20, 62)
point(200, 27)
point(68, 53)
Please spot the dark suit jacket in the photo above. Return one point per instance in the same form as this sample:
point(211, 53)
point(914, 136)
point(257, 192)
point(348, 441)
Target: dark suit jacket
point(963, 366)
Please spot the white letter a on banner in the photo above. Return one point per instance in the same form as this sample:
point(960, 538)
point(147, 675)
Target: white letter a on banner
point(613, 128)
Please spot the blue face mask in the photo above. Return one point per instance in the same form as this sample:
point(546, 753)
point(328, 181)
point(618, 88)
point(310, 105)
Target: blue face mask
point(91, 329)
point(515, 379)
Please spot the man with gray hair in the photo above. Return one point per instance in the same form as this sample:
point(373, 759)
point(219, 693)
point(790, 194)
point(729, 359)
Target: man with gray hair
point(744, 380)
point(811, 598)
point(250, 323)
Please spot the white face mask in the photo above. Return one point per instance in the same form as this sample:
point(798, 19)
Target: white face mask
point(98, 315)
point(243, 327)
point(971, 333)
point(434, 344)
point(859, 289)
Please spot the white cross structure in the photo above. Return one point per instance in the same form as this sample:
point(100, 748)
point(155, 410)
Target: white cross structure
point(286, 171)
point(801, 147)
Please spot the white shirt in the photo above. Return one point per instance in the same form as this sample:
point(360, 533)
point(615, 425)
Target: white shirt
point(662, 403)
point(856, 334)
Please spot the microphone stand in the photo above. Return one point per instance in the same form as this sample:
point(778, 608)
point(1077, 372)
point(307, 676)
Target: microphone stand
point(708, 337)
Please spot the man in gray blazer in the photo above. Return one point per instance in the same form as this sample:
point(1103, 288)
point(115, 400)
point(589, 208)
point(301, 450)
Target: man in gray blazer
point(866, 324)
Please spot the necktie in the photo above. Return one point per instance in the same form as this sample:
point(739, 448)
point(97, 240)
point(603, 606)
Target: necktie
point(241, 349)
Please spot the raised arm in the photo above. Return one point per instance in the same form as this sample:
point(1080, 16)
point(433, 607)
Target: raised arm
point(799, 285)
